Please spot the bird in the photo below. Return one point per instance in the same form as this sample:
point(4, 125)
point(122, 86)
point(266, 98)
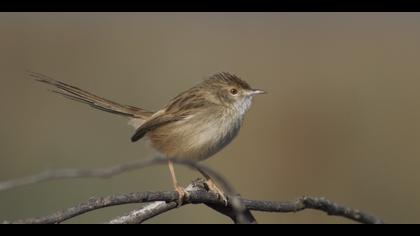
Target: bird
point(192, 126)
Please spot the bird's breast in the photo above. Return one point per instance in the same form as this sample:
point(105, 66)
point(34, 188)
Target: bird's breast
point(197, 137)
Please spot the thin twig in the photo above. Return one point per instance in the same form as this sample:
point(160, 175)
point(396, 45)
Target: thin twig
point(50, 175)
point(149, 211)
point(315, 203)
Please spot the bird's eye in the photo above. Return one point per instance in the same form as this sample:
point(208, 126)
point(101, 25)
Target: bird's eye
point(234, 91)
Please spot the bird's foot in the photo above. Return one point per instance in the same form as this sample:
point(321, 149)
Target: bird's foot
point(214, 188)
point(182, 193)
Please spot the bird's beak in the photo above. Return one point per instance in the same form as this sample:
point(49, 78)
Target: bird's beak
point(257, 91)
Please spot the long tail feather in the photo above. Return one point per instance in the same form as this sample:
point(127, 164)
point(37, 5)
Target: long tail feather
point(77, 94)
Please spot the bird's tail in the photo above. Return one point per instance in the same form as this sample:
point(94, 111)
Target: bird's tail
point(138, 115)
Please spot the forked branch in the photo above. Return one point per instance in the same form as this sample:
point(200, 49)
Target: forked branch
point(156, 203)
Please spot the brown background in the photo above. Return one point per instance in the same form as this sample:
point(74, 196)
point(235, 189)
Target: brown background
point(340, 120)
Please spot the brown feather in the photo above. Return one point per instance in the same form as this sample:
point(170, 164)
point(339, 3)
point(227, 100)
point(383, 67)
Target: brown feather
point(154, 123)
point(77, 94)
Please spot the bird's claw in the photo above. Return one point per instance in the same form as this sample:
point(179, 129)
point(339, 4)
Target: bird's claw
point(183, 195)
point(220, 194)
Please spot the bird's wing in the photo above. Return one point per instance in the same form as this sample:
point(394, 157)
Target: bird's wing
point(185, 105)
point(157, 120)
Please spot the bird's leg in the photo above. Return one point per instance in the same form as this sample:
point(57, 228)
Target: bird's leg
point(181, 191)
point(213, 187)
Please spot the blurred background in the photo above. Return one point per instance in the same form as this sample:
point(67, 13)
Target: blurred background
point(341, 118)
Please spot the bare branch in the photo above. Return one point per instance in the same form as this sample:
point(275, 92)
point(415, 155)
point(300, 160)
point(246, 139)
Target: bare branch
point(108, 172)
point(165, 201)
point(315, 203)
point(238, 209)
point(77, 173)
point(247, 217)
point(98, 203)
point(147, 212)
point(151, 210)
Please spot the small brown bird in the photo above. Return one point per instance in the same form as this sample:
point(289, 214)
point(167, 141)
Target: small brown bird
point(193, 126)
